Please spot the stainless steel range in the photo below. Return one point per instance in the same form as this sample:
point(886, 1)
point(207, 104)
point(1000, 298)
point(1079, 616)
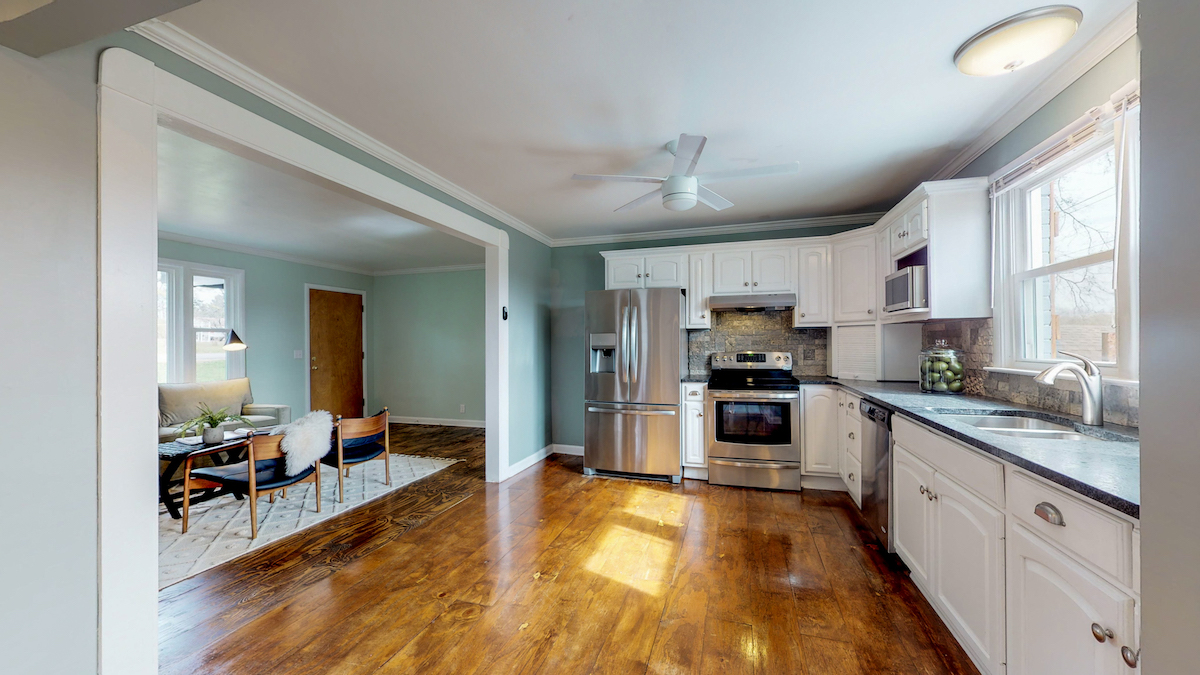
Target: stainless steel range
point(753, 409)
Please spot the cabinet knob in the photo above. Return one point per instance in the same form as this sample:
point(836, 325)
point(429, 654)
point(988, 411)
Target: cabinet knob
point(639, 276)
point(870, 311)
point(851, 434)
point(1131, 657)
point(929, 495)
point(1049, 513)
point(802, 315)
point(851, 405)
point(756, 283)
point(647, 275)
point(1101, 633)
point(851, 476)
point(699, 414)
point(703, 315)
point(922, 489)
point(745, 283)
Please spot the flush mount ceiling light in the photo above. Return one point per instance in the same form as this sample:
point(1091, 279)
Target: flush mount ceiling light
point(1018, 41)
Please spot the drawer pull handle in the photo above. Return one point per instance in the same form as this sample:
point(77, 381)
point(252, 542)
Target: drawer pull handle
point(1101, 633)
point(1131, 657)
point(1049, 513)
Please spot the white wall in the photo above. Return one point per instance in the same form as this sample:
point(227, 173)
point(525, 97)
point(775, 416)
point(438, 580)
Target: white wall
point(48, 363)
point(1170, 335)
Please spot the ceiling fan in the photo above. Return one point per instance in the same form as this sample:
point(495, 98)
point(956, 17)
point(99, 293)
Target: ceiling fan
point(682, 189)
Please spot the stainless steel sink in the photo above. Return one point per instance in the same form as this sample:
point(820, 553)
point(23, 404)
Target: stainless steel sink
point(1022, 427)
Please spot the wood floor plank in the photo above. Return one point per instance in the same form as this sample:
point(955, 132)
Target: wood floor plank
point(557, 572)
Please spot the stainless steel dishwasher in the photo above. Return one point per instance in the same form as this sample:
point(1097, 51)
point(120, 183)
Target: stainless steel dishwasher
point(877, 471)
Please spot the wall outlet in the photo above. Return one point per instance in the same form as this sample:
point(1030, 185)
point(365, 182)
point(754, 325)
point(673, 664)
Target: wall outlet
point(462, 407)
point(298, 354)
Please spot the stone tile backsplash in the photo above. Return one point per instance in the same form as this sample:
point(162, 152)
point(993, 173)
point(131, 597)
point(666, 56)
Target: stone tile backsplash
point(769, 331)
point(974, 338)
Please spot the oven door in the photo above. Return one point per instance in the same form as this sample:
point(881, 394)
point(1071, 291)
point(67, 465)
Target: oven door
point(754, 425)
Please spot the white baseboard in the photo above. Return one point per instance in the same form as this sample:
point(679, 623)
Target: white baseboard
point(560, 449)
point(833, 483)
point(438, 421)
point(514, 469)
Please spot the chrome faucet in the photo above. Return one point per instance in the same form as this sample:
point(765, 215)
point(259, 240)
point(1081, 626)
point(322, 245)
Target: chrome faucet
point(1089, 380)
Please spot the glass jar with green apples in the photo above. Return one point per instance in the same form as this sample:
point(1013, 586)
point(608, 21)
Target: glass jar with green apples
point(941, 369)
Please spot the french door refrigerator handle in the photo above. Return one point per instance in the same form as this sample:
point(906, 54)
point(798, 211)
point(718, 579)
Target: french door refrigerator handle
point(625, 344)
point(616, 411)
point(633, 346)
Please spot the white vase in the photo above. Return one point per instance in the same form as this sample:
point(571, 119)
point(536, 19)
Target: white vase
point(212, 435)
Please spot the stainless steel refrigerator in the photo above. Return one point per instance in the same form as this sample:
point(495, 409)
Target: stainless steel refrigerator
point(636, 351)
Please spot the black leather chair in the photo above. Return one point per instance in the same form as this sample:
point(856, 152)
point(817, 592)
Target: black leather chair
point(359, 440)
point(269, 476)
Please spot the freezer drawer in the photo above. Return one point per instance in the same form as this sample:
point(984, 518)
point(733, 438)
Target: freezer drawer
point(632, 438)
point(754, 474)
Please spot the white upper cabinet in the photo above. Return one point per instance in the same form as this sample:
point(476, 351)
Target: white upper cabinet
point(910, 231)
point(854, 280)
point(624, 273)
point(666, 271)
point(698, 290)
point(731, 272)
point(772, 270)
point(812, 290)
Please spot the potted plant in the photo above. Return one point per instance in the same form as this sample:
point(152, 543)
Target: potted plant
point(210, 421)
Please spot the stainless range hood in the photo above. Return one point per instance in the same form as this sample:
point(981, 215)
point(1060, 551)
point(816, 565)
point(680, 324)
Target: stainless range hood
point(755, 302)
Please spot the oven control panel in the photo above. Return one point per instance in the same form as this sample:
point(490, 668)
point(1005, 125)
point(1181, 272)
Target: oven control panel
point(752, 361)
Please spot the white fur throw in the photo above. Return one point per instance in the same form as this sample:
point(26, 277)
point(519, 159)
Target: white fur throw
point(306, 440)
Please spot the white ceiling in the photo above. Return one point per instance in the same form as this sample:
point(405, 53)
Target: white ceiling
point(209, 193)
point(507, 100)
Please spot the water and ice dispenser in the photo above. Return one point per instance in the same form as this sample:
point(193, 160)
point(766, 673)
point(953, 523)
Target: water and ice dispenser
point(603, 352)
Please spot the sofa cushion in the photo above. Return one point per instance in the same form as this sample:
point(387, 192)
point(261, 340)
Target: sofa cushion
point(178, 403)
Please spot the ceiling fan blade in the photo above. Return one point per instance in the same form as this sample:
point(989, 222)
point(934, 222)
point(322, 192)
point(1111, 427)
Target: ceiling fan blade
point(617, 179)
point(711, 199)
point(754, 172)
point(639, 201)
point(687, 153)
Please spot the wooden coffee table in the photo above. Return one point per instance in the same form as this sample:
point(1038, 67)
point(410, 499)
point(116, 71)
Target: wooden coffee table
point(175, 453)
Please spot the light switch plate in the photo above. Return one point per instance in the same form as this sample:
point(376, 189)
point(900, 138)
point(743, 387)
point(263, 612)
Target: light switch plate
point(298, 354)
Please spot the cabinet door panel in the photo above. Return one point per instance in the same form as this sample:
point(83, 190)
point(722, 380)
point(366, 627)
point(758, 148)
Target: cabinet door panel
point(693, 434)
point(731, 272)
point(911, 479)
point(665, 271)
point(820, 431)
point(623, 273)
point(854, 280)
point(852, 475)
point(1052, 603)
point(699, 265)
point(968, 564)
point(812, 295)
point(772, 270)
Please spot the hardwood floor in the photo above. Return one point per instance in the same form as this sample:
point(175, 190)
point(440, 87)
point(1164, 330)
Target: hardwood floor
point(553, 572)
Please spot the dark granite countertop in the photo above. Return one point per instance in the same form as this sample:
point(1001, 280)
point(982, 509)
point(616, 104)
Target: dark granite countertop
point(694, 379)
point(1107, 471)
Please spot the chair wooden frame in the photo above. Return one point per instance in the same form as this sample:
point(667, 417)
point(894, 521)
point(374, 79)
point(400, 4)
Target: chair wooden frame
point(258, 446)
point(355, 427)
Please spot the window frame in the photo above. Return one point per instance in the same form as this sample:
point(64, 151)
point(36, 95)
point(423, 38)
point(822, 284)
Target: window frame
point(1011, 222)
point(181, 329)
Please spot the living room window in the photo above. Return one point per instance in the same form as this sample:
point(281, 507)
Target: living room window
point(197, 306)
point(1065, 227)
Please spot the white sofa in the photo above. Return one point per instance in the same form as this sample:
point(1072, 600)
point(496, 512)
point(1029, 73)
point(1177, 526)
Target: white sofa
point(178, 403)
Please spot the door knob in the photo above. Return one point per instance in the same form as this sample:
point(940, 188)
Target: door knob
point(314, 367)
point(1101, 633)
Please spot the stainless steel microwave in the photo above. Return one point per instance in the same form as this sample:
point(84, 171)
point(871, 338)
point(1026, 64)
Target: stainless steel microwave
point(906, 289)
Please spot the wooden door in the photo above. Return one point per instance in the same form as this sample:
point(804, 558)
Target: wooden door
point(1052, 603)
point(968, 564)
point(911, 480)
point(335, 348)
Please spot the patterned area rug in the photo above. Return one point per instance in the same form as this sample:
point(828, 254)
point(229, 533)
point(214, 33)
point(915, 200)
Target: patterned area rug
point(219, 530)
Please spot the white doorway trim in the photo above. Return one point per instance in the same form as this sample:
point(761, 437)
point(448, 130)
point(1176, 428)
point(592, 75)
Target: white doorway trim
point(134, 98)
point(308, 346)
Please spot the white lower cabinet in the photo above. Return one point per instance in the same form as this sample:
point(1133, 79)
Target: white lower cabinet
point(911, 522)
point(968, 569)
point(1056, 608)
point(852, 476)
point(820, 430)
point(695, 445)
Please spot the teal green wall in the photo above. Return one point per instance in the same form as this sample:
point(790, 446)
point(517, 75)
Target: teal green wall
point(575, 270)
point(529, 260)
point(1092, 89)
point(275, 317)
point(429, 344)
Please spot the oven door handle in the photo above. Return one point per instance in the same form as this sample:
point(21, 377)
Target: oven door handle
point(754, 465)
point(761, 395)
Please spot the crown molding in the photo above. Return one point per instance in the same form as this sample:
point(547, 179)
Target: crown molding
point(769, 226)
point(430, 270)
point(300, 260)
point(204, 55)
point(1106, 42)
